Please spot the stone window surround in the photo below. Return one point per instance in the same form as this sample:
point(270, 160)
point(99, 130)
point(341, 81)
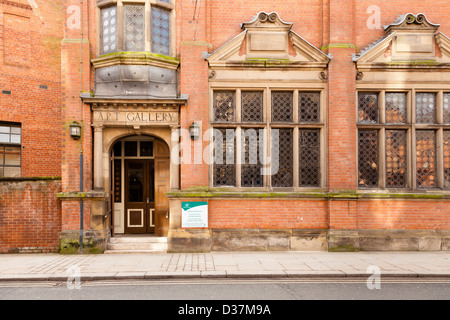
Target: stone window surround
point(410, 126)
point(120, 12)
point(268, 124)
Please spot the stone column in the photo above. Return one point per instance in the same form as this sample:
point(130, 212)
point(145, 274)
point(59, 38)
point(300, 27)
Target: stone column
point(175, 158)
point(98, 157)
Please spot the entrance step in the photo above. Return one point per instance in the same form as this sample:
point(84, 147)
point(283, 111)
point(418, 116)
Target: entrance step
point(137, 244)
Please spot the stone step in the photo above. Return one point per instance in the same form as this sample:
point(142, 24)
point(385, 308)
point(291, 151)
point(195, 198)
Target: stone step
point(138, 240)
point(133, 251)
point(137, 244)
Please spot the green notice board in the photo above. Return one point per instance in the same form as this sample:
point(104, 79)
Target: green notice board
point(194, 214)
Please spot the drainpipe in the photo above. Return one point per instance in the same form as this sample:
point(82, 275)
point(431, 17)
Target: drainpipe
point(81, 203)
point(82, 121)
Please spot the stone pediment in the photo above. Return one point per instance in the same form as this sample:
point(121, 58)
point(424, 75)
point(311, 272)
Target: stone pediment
point(410, 43)
point(267, 42)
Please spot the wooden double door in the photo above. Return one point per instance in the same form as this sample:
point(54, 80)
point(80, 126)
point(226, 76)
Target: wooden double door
point(146, 204)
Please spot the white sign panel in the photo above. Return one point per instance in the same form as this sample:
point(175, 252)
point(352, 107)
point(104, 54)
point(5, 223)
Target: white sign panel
point(194, 214)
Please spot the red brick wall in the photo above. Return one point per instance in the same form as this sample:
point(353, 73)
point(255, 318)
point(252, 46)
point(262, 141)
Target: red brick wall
point(413, 214)
point(334, 214)
point(268, 214)
point(30, 216)
point(30, 56)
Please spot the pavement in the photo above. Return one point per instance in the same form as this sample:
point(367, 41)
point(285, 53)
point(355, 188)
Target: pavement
point(56, 267)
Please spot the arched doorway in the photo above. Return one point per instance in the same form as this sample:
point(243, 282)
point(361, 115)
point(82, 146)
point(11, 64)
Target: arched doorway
point(140, 172)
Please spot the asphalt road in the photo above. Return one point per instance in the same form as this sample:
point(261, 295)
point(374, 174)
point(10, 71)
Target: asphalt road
point(231, 290)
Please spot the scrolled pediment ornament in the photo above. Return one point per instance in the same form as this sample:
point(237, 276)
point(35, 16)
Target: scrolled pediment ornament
point(264, 17)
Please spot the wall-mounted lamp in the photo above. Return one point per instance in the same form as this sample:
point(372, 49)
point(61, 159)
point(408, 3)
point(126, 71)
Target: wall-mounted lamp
point(194, 131)
point(75, 130)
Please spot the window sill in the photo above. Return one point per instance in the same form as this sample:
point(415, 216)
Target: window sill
point(135, 58)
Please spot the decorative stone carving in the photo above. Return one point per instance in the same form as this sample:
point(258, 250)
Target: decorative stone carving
point(359, 75)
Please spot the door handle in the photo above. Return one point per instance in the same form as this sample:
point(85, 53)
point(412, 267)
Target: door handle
point(148, 200)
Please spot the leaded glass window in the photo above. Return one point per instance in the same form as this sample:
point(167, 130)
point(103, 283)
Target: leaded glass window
point(252, 106)
point(224, 158)
point(160, 36)
point(426, 107)
point(397, 151)
point(109, 30)
point(396, 159)
point(368, 107)
point(124, 27)
point(280, 150)
point(426, 158)
point(134, 28)
point(309, 159)
point(447, 159)
point(224, 106)
point(309, 107)
point(253, 147)
point(446, 111)
point(282, 103)
point(368, 158)
point(283, 155)
point(396, 107)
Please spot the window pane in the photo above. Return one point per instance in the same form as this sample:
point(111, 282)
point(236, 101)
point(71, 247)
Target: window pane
point(251, 175)
point(446, 107)
point(134, 28)
point(5, 129)
point(282, 158)
point(426, 108)
point(4, 138)
point(395, 107)
point(224, 169)
point(117, 181)
point(11, 172)
point(15, 138)
point(426, 158)
point(12, 156)
point(447, 159)
point(117, 149)
point(146, 148)
point(109, 30)
point(282, 102)
point(368, 107)
point(252, 106)
point(160, 31)
point(396, 160)
point(309, 158)
point(224, 106)
point(135, 172)
point(368, 158)
point(309, 107)
point(16, 130)
point(131, 148)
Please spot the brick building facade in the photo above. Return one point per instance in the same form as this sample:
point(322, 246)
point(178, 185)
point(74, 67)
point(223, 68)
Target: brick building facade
point(322, 124)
